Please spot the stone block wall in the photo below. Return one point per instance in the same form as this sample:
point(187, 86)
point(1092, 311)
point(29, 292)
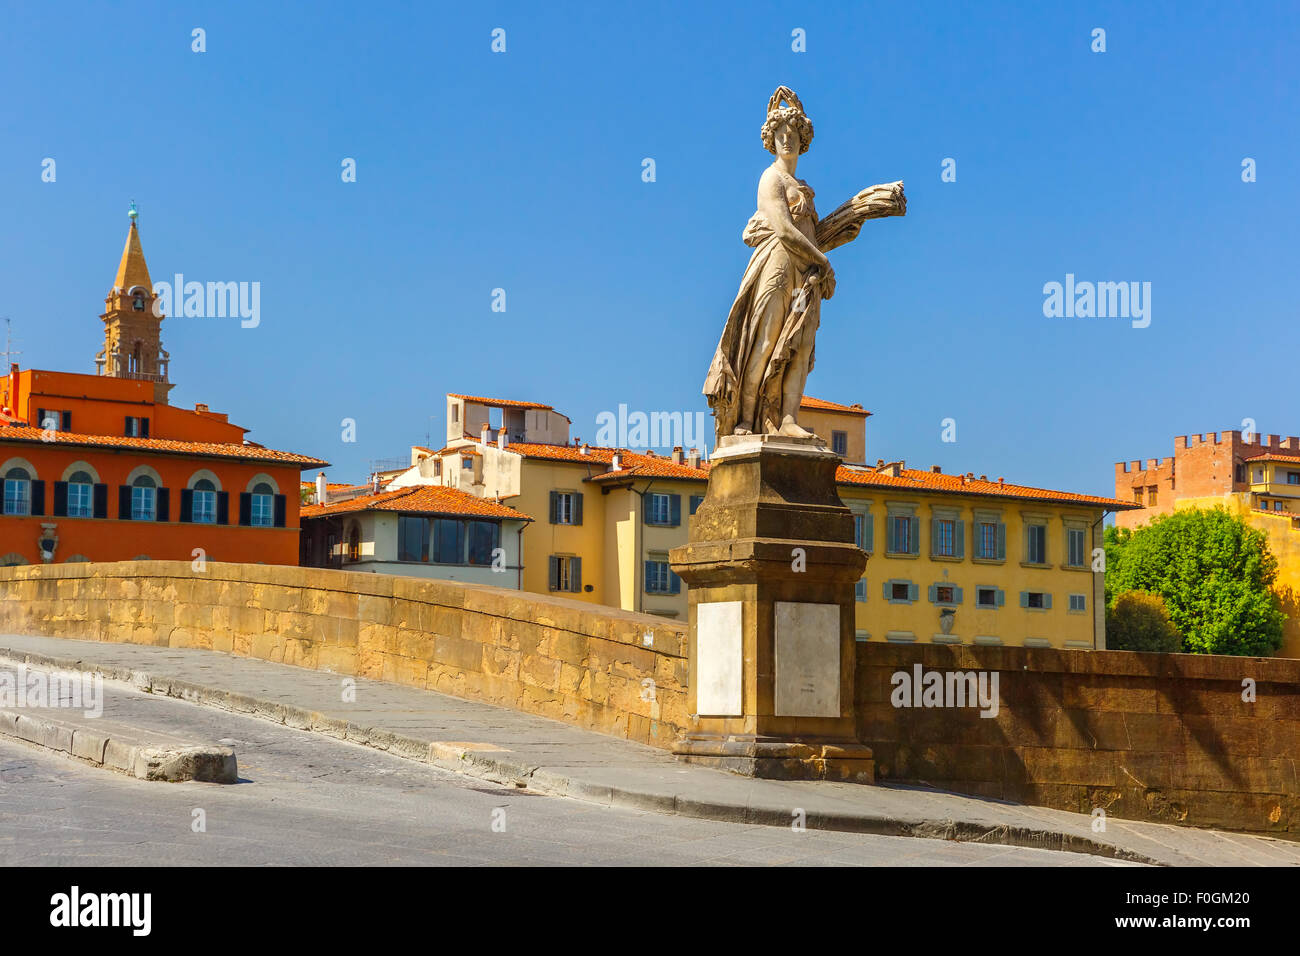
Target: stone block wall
point(585, 665)
point(1157, 737)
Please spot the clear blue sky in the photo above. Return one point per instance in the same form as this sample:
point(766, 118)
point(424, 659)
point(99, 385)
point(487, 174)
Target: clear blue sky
point(523, 171)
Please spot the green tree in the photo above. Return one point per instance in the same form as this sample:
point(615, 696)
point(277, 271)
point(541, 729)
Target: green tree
point(1139, 621)
point(1214, 572)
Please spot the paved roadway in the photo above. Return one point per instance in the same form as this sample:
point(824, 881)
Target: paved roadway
point(307, 799)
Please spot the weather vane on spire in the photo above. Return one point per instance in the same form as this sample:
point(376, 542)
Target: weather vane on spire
point(134, 213)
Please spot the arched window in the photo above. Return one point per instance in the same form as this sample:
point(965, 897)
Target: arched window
point(263, 505)
point(144, 498)
point(18, 492)
point(204, 507)
point(81, 495)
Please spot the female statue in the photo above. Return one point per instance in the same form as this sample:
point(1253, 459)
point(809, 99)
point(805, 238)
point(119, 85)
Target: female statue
point(756, 381)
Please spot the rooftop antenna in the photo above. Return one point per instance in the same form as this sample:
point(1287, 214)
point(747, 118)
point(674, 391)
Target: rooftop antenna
point(10, 351)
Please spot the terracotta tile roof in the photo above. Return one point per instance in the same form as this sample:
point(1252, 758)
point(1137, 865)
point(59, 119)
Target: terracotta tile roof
point(498, 402)
point(928, 481)
point(1275, 456)
point(166, 446)
point(332, 485)
point(420, 499)
point(819, 404)
point(633, 464)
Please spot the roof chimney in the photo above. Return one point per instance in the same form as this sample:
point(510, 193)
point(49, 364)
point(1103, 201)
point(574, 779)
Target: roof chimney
point(936, 469)
point(616, 463)
point(321, 496)
point(693, 458)
point(502, 437)
point(677, 454)
point(200, 407)
point(584, 450)
point(485, 432)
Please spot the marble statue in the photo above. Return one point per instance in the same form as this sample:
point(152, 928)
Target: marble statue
point(756, 381)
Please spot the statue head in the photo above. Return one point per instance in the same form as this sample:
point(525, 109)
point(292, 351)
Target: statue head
point(784, 109)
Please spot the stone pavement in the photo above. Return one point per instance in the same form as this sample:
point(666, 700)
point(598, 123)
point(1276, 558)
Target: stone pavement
point(539, 754)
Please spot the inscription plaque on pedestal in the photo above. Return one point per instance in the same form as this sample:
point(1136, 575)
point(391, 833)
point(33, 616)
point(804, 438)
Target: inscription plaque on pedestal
point(720, 661)
point(807, 660)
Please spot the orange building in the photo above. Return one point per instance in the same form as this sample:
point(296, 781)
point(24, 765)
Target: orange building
point(102, 468)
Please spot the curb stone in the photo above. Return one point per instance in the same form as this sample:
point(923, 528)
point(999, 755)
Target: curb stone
point(204, 764)
point(521, 775)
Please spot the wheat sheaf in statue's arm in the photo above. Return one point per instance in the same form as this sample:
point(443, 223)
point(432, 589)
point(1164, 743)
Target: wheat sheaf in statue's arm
point(874, 202)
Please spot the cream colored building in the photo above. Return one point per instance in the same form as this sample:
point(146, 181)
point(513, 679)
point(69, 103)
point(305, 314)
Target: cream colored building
point(953, 558)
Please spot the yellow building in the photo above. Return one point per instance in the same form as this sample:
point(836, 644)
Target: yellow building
point(953, 558)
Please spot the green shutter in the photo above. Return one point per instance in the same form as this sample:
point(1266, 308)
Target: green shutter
point(555, 510)
point(916, 534)
point(1047, 602)
point(890, 544)
point(1002, 541)
point(554, 568)
point(868, 532)
point(956, 595)
point(675, 510)
point(889, 590)
point(959, 539)
point(1001, 598)
point(932, 593)
point(913, 590)
point(577, 507)
point(575, 574)
point(1024, 599)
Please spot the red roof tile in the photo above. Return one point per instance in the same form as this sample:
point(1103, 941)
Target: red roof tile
point(498, 402)
point(166, 446)
point(929, 481)
point(420, 499)
point(1275, 456)
point(820, 404)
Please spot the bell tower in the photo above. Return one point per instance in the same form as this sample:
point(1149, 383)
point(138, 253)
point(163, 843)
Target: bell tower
point(132, 329)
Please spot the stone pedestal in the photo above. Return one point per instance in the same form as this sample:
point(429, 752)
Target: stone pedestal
point(771, 564)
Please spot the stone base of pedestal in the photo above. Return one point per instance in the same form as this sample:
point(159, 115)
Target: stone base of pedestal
point(771, 563)
point(779, 759)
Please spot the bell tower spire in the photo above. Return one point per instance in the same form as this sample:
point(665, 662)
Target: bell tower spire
point(132, 329)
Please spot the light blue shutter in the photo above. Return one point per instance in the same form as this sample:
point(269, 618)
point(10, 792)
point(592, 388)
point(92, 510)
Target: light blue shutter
point(675, 514)
point(1047, 601)
point(868, 532)
point(860, 590)
point(916, 534)
point(889, 590)
point(932, 593)
point(913, 590)
point(934, 536)
point(956, 595)
point(1024, 599)
point(674, 582)
point(554, 570)
point(890, 544)
point(959, 539)
point(1002, 541)
point(1002, 597)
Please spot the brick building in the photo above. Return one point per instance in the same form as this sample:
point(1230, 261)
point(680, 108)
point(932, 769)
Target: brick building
point(1254, 476)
